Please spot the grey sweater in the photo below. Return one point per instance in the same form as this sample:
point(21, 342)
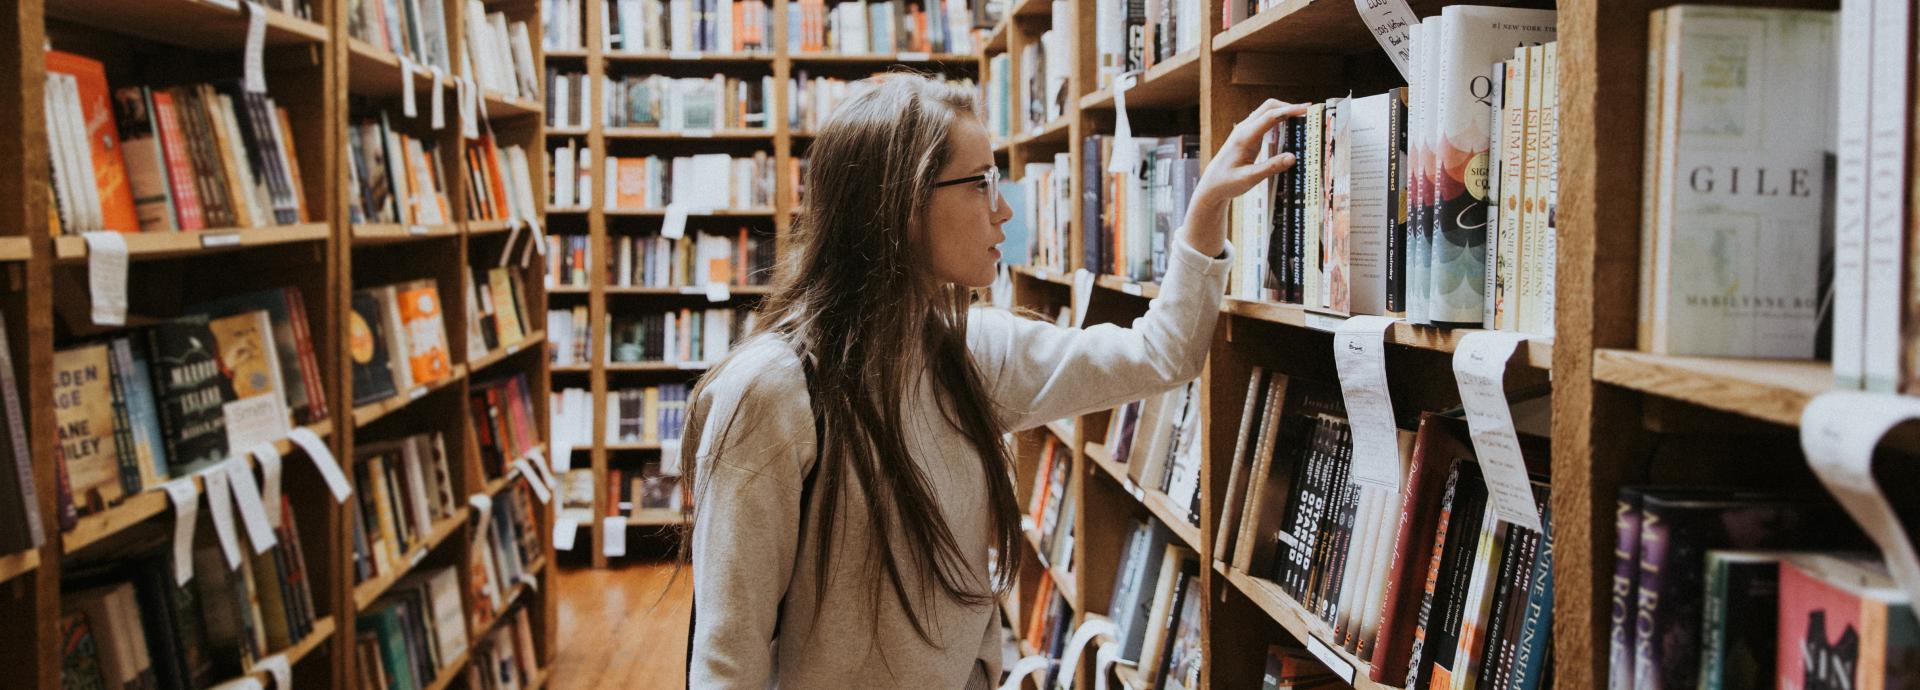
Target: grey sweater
point(750, 575)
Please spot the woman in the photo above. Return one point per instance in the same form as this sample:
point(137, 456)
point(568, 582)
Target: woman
point(846, 462)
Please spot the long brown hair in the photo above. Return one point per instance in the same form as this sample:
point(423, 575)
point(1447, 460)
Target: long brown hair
point(866, 319)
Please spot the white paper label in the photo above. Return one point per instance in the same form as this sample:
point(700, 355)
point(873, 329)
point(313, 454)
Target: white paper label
point(674, 226)
point(1077, 645)
point(437, 109)
point(220, 239)
point(914, 57)
point(1360, 355)
point(276, 667)
point(1126, 154)
point(1326, 655)
point(469, 110)
point(697, 133)
point(1023, 669)
point(670, 457)
point(1103, 661)
point(185, 498)
point(246, 494)
point(1082, 294)
point(1838, 432)
point(562, 454)
point(323, 461)
point(528, 580)
point(534, 480)
point(481, 503)
point(253, 70)
point(718, 292)
point(565, 531)
point(407, 106)
point(1130, 288)
point(268, 458)
point(254, 421)
point(684, 55)
point(613, 538)
point(1480, 367)
point(1323, 322)
point(416, 230)
point(220, 506)
point(241, 683)
point(1388, 21)
point(107, 276)
point(537, 459)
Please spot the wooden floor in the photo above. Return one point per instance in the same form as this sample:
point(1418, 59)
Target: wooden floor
point(617, 630)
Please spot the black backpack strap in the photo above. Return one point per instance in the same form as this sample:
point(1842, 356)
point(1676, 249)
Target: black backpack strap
point(806, 499)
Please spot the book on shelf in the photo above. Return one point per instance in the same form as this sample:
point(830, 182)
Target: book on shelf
point(500, 183)
point(1045, 66)
point(576, 495)
point(1049, 622)
point(412, 29)
point(395, 177)
point(499, 53)
point(1844, 623)
point(570, 419)
point(692, 104)
point(1133, 591)
point(1045, 193)
point(651, 489)
point(569, 261)
point(509, 542)
point(144, 159)
point(563, 24)
point(397, 337)
point(996, 96)
point(681, 336)
point(505, 659)
point(412, 635)
point(878, 27)
point(1157, 440)
point(1292, 667)
point(497, 313)
point(647, 415)
point(1180, 663)
point(812, 97)
point(567, 330)
point(21, 527)
point(1136, 36)
point(683, 26)
point(504, 422)
point(572, 177)
point(1138, 211)
point(569, 99)
point(1736, 193)
point(656, 262)
point(406, 488)
point(708, 181)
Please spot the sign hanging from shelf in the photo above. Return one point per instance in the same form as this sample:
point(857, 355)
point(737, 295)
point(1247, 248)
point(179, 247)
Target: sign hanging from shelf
point(1839, 431)
point(1388, 21)
point(1360, 357)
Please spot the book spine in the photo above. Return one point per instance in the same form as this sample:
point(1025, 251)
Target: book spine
point(179, 169)
point(1626, 572)
point(1534, 643)
point(128, 456)
point(27, 517)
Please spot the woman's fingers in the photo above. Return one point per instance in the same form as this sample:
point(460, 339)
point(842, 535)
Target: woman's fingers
point(1241, 144)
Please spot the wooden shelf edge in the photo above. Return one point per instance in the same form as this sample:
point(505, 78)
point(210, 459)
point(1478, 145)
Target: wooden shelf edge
point(760, 212)
point(386, 233)
point(207, 25)
point(1770, 390)
point(1044, 274)
point(655, 518)
point(630, 367)
point(1538, 350)
point(16, 249)
point(501, 354)
point(369, 413)
point(1174, 82)
point(733, 290)
point(159, 245)
point(667, 56)
point(1300, 624)
point(905, 57)
point(444, 677)
point(365, 593)
point(17, 564)
point(724, 134)
point(1160, 505)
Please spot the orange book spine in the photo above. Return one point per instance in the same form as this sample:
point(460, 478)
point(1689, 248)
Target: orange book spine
point(179, 170)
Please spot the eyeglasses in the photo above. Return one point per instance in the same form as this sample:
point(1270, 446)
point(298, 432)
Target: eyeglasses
point(989, 183)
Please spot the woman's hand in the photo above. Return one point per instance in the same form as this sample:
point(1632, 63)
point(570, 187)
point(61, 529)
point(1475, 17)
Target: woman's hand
point(1232, 172)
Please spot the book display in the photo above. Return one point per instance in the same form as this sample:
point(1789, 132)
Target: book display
point(264, 253)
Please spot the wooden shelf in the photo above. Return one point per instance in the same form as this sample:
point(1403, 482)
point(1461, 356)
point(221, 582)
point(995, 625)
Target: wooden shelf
point(567, 131)
point(568, 290)
point(1122, 285)
point(632, 446)
point(647, 134)
point(372, 412)
point(16, 249)
point(204, 25)
point(367, 234)
point(501, 105)
point(1308, 27)
point(1299, 623)
point(907, 58)
point(655, 518)
point(1174, 83)
point(565, 54)
point(996, 42)
point(570, 368)
point(148, 504)
point(444, 677)
point(321, 634)
point(1538, 351)
point(1045, 275)
point(1055, 133)
point(1031, 8)
point(1062, 431)
point(704, 58)
point(534, 339)
point(148, 246)
point(375, 72)
point(540, 678)
point(1159, 504)
point(365, 593)
point(488, 227)
point(657, 366)
point(1771, 390)
point(735, 290)
point(757, 212)
point(19, 563)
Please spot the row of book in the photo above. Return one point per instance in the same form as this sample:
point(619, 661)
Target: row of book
point(21, 528)
point(682, 26)
point(1426, 583)
point(879, 27)
point(1139, 211)
point(504, 422)
point(413, 29)
point(499, 182)
point(1048, 626)
point(813, 98)
point(412, 635)
point(570, 176)
point(505, 659)
point(400, 338)
point(499, 53)
point(1136, 36)
point(653, 261)
point(1051, 521)
point(139, 407)
point(630, 492)
point(569, 99)
point(150, 159)
point(1725, 588)
point(497, 310)
point(1045, 66)
point(647, 415)
point(1157, 439)
point(1158, 622)
point(406, 490)
point(569, 261)
point(127, 624)
point(996, 96)
point(395, 177)
point(506, 552)
point(691, 104)
point(684, 336)
point(1041, 204)
point(567, 331)
point(563, 24)
point(700, 181)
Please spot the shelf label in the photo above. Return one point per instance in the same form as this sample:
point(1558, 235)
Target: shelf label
point(1839, 431)
point(220, 239)
point(565, 530)
point(253, 70)
point(1082, 294)
point(1480, 368)
point(670, 457)
point(1130, 288)
point(437, 108)
point(253, 513)
point(1323, 322)
point(534, 480)
point(1103, 663)
point(419, 555)
point(513, 349)
point(684, 54)
point(220, 506)
point(416, 230)
point(562, 459)
point(914, 57)
point(613, 536)
point(276, 666)
point(407, 106)
point(1360, 356)
point(1027, 668)
point(107, 276)
point(466, 94)
point(480, 503)
point(697, 133)
point(253, 421)
point(185, 498)
point(674, 225)
point(417, 393)
point(1126, 154)
point(718, 292)
point(1326, 655)
point(268, 458)
point(323, 461)
point(1388, 21)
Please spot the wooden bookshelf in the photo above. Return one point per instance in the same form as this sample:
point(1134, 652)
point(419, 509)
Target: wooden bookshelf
point(172, 245)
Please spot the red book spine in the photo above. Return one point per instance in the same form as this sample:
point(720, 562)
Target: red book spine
point(309, 366)
point(1423, 513)
point(179, 168)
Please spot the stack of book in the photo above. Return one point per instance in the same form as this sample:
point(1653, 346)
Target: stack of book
point(142, 406)
point(504, 422)
point(996, 96)
point(1050, 510)
point(703, 181)
point(567, 329)
point(501, 53)
point(500, 184)
point(650, 489)
point(407, 489)
point(1139, 211)
point(142, 159)
point(1049, 621)
point(564, 25)
point(1134, 36)
point(505, 660)
point(813, 98)
point(569, 99)
point(681, 26)
point(1041, 202)
point(509, 542)
point(412, 635)
point(685, 336)
point(691, 104)
point(570, 416)
point(879, 27)
point(571, 177)
point(396, 178)
point(569, 261)
point(496, 310)
point(1044, 68)
point(20, 524)
point(647, 415)
point(405, 340)
point(405, 28)
point(1158, 441)
point(576, 496)
point(654, 261)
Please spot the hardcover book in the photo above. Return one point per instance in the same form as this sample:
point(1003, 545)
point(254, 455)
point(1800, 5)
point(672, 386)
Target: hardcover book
point(83, 416)
point(1844, 624)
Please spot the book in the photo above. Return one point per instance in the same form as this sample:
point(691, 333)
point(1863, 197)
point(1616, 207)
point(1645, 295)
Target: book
point(1739, 623)
point(84, 417)
point(96, 126)
point(367, 345)
point(1844, 624)
point(20, 523)
point(418, 303)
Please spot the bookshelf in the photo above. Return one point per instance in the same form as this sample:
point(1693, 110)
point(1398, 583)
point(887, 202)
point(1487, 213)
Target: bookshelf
point(325, 80)
point(603, 226)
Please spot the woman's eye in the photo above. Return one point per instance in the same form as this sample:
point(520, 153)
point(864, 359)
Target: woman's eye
point(982, 186)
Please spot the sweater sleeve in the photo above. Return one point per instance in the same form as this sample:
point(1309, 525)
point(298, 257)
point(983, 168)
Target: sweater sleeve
point(754, 445)
point(1039, 372)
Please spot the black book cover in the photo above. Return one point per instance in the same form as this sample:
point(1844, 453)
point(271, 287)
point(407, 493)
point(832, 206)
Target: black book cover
point(1440, 623)
point(367, 343)
point(192, 391)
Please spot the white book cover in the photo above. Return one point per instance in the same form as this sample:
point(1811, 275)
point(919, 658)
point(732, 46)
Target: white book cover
point(584, 190)
point(1370, 138)
point(1887, 193)
point(1749, 101)
point(1535, 127)
point(1513, 179)
point(1426, 43)
point(563, 176)
point(1852, 130)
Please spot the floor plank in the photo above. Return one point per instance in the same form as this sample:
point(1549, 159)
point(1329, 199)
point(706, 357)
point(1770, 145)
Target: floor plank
point(623, 627)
